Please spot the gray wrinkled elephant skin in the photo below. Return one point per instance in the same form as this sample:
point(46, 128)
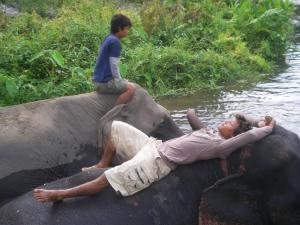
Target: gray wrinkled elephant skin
point(46, 140)
point(250, 195)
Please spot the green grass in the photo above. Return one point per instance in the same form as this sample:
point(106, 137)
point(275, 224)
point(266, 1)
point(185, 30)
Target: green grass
point(174, 47)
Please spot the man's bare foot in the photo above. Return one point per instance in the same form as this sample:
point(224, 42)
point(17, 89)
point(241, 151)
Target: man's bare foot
point(99, 165)
point(43, 195)
point(89, 168)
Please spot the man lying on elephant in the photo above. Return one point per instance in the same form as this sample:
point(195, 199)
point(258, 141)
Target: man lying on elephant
point(150, 160)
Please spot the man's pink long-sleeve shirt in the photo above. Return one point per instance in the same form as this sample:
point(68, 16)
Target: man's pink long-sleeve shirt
point(206, 144)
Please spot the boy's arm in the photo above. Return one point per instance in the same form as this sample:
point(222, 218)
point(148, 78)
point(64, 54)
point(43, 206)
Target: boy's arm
point(114, 67)
point(114, 58)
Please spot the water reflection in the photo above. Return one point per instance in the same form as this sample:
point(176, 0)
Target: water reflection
point(279, 97)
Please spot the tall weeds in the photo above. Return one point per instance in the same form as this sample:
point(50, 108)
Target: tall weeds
point(173, 46)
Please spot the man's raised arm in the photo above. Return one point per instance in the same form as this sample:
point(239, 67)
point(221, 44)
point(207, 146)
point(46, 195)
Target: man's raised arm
point(193, 120)
point(255, 134)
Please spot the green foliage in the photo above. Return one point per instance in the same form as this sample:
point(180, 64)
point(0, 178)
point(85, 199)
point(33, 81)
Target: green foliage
point(161, 69)
point(173, 46)
point(264, 25)
point(3, 20)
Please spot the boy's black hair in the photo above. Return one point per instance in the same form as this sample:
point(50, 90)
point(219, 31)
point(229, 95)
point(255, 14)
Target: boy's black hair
point(244, 125)
point(119, 22)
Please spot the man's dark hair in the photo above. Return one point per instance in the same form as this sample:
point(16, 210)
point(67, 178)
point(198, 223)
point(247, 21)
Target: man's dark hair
point(119, 22)
point(244, 125)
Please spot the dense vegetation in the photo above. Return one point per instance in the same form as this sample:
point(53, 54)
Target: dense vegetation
point(175, 45)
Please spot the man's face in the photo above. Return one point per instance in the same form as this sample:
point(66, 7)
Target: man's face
point(226, 129)
point(123, 32)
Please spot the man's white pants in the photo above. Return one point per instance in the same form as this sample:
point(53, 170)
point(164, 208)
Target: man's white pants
point(144, 165)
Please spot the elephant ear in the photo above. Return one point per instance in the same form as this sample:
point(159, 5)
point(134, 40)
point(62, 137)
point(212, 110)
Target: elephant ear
point(231, 200)
point(119, 113)
point(265, 192)
point(104, 125)
point(143, 113)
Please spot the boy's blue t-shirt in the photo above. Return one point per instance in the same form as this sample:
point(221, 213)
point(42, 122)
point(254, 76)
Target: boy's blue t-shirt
point(110, 47)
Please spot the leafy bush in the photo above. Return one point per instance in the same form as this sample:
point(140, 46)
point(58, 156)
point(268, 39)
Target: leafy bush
point(173, 46)
point(264, 26)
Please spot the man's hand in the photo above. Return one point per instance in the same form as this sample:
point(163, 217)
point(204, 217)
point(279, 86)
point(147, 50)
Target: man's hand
point(193, 120)
point(269, 121)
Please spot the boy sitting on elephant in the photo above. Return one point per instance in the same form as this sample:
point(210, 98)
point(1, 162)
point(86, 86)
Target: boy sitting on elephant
point(107, 78)
point(150, 160)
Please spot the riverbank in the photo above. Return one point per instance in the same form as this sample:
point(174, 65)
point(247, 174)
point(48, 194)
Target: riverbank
point(172, 48)
point(278, 96)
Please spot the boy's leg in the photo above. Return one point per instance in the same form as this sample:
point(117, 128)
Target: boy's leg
point(126, 96)
point(125, 139)
point(119, 87)
point(88, 188)
point(109, 151)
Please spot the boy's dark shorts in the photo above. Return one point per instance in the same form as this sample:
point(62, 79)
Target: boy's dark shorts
point(114, 86)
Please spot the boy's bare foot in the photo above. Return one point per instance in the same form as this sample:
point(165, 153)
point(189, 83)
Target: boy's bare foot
point(43, 195)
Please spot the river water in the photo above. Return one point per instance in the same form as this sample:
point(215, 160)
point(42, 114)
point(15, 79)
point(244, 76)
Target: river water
point(278, 96)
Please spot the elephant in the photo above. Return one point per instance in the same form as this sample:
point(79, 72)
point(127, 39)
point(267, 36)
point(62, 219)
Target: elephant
point(258, 175)
point(46, 140)
point(263, 188)
point(173, 200)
